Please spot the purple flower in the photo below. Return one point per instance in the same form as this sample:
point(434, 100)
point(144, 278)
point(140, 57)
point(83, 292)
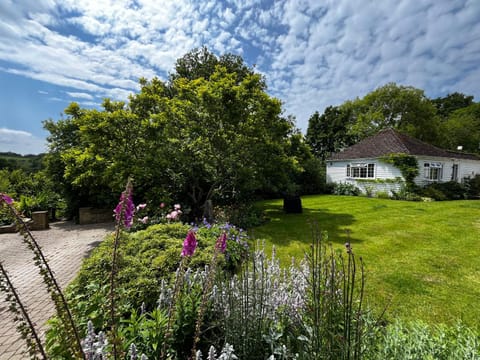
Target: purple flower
point(221, 243)
point(6, 198)
point(189, 244)
point(126, 206)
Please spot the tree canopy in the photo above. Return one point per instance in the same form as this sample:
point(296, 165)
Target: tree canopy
point(210, 132)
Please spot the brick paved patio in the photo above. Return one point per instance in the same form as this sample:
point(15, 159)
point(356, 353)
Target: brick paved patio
point(65, 246)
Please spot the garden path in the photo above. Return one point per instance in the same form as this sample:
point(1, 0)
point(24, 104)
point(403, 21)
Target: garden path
point(65, 245)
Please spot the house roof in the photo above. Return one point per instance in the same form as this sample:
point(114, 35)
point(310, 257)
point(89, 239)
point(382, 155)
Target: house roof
point(390, 141)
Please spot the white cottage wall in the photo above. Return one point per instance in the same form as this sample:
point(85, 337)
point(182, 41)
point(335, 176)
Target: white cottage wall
point(337, 173)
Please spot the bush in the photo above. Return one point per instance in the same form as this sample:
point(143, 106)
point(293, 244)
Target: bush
point(243, 216)
point(416, 340)
point(450, 190)
point(473, 187)
point(145, 259)
point(346, 189)
point(382, 194)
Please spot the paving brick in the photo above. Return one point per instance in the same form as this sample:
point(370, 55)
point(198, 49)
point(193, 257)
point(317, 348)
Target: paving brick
point(65, 245)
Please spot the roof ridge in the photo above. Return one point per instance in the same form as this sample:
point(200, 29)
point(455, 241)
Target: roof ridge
point(390, 140)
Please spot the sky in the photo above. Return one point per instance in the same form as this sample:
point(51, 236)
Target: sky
point(313, 53)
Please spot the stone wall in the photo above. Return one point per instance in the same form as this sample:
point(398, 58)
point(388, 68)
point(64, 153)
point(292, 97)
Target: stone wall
point(94, 216)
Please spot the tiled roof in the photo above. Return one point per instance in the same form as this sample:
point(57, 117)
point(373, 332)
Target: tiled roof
point(390, 141)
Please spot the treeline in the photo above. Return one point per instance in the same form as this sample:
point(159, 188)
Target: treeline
point(13, 161)
point(449, 122)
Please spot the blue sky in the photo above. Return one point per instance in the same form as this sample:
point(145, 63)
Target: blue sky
point(313, 53)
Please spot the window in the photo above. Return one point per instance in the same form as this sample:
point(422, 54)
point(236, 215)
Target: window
point(455, 172)
point(361, 170)
point(433, 171)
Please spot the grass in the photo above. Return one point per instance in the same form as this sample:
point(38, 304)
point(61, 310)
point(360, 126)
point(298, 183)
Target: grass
point(422, 259)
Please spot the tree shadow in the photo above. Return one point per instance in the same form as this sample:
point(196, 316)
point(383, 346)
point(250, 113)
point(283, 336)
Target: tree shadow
point(283, 229)
point(92, 247)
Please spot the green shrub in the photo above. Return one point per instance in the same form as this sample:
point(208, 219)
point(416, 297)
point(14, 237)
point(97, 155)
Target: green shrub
point(473, 187)
point(243, 216)
point(417, 340)
point(145, 258)
point(450, 190)
point(346, 189)
point(382, 194)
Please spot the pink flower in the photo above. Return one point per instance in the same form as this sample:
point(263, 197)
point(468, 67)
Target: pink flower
point(144, 220)
point(141, 207)
point(189, 244)
point(162, 205)
point(177, 207)
point(221, 244)
point(6, 198)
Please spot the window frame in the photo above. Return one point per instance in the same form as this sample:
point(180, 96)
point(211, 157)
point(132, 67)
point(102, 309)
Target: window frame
point(361, 170)
point(433, 171)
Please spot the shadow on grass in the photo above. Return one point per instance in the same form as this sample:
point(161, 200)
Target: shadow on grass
point(283, 229)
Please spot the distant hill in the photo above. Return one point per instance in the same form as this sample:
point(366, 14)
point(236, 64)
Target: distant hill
point(12, 161)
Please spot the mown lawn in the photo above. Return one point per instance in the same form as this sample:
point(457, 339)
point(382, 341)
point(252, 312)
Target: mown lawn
point(422, 259)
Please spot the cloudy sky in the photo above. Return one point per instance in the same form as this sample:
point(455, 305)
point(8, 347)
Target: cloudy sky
point(313, 53)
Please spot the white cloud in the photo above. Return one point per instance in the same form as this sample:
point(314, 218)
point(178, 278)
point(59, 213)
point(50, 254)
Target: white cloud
point(80, 95)
point(313, 53)
point(20, 142)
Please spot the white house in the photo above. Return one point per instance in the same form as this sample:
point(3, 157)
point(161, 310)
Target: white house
point(362, 166)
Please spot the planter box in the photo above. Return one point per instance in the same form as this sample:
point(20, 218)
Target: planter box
point(8, 229)
point(39, 220)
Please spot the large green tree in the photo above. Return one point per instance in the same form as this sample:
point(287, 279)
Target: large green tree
point(401, 107)
point(210, 132)
point(329, 132)
point(463, 129)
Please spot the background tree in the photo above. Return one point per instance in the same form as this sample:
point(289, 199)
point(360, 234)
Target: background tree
point(452, 102)
point(329, 133)
point(401, 107)
point(463, 129)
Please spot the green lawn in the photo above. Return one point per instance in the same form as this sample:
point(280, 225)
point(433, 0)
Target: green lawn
point(421, 259)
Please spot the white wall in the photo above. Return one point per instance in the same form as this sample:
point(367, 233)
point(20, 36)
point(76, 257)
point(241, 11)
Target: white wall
point(337, 172)
point(466, 168)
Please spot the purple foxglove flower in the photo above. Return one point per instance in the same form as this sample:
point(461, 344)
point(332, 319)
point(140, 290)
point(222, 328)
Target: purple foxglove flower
point(221, 244)
point(189, 244)
point(126, 204)
point(6, 198)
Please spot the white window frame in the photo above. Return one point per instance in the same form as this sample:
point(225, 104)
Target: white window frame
point(433, 171)
point(361, 170)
